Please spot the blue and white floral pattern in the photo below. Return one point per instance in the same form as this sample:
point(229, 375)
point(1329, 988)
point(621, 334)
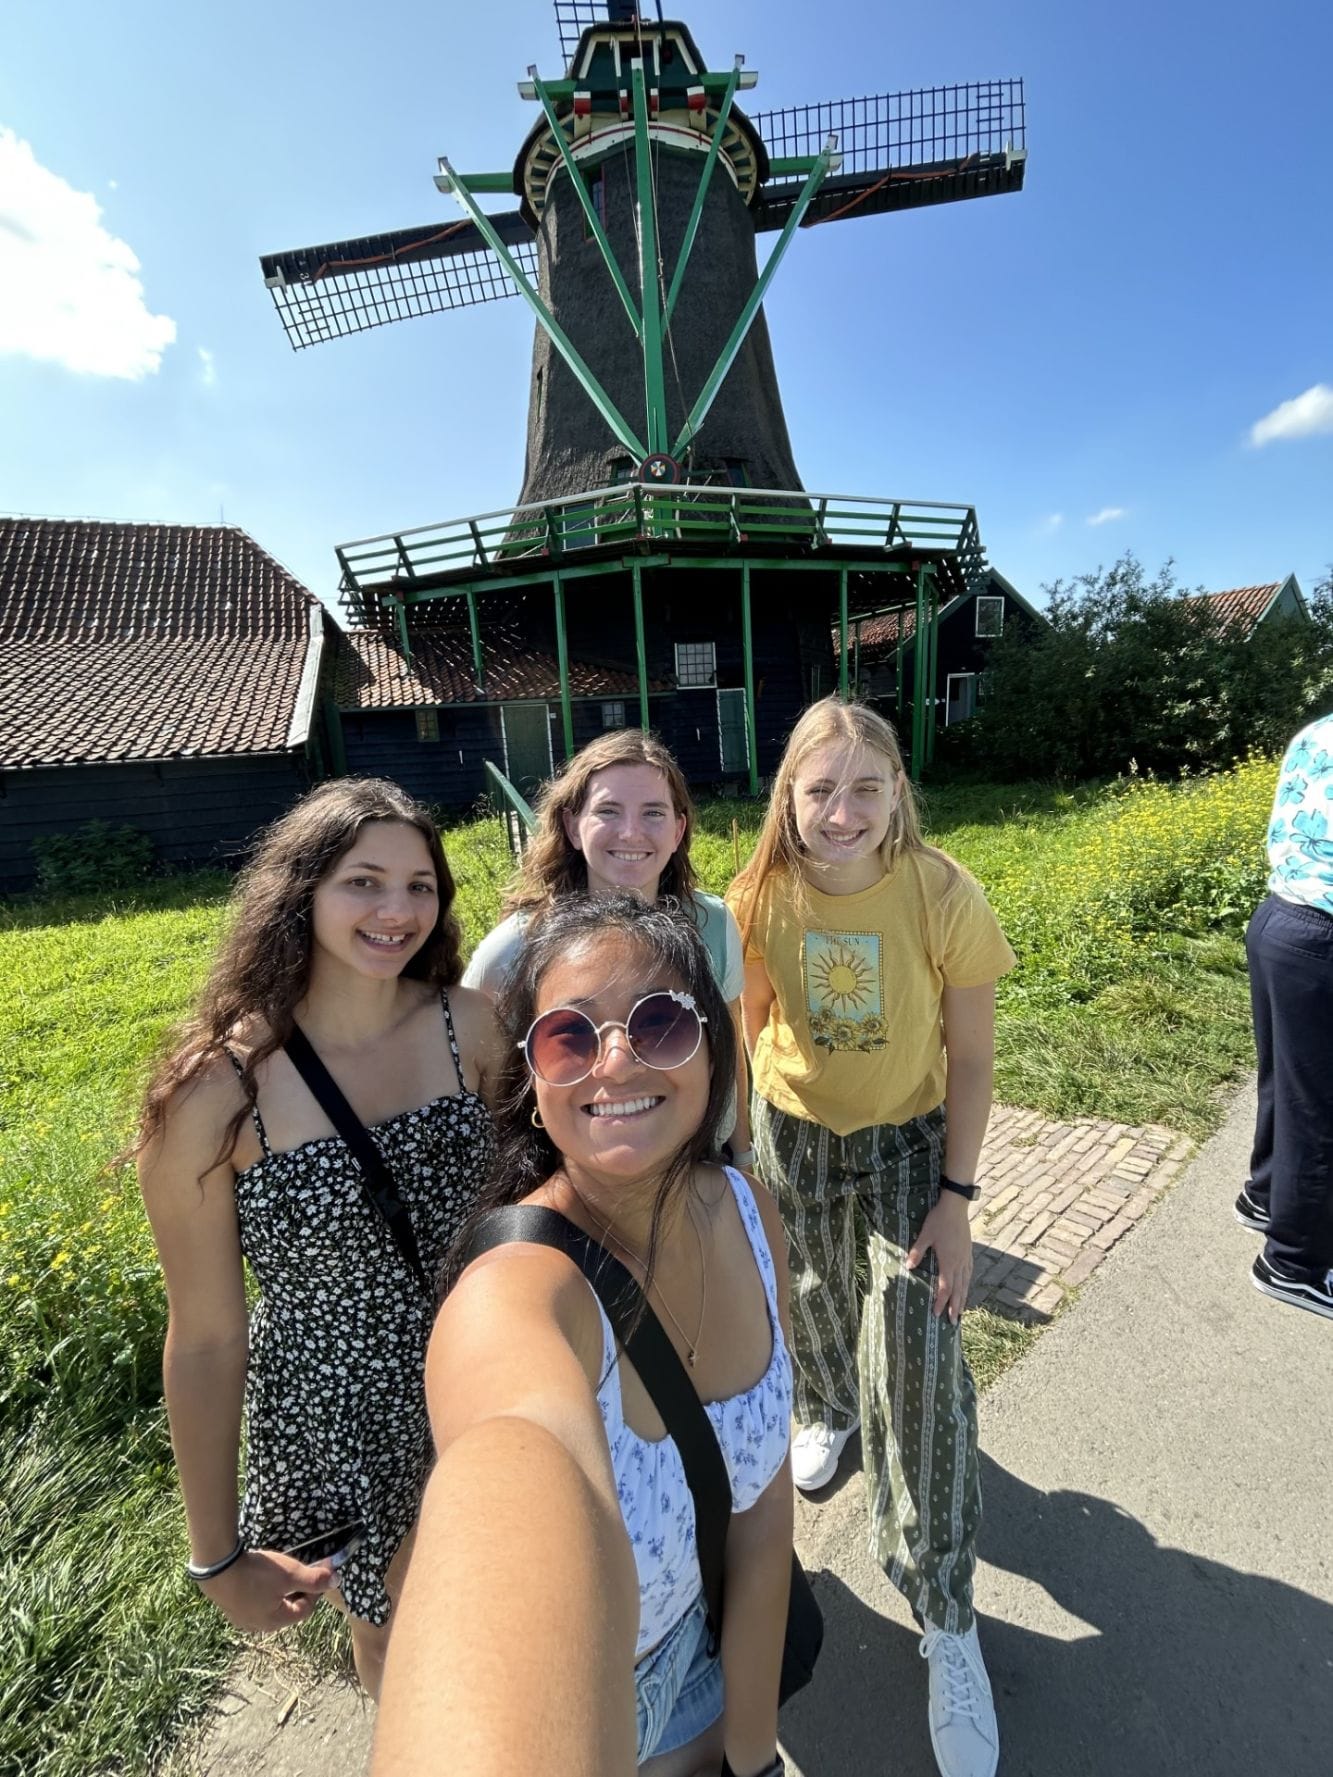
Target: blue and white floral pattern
point(1300, 834)
point(753, 1430)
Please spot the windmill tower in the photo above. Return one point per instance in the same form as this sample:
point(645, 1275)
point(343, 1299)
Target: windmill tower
point(660, 496)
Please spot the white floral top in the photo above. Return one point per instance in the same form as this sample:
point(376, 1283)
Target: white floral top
point(752, 1428)
point(1300, 834)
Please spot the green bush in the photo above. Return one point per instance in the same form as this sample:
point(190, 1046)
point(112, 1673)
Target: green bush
point(95, 858)
point(1130, 673)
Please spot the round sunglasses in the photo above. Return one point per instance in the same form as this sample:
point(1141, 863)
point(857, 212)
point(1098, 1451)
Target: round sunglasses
point(663, 1031)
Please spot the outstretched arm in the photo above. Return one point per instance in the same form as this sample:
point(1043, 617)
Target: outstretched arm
point(513, 1645)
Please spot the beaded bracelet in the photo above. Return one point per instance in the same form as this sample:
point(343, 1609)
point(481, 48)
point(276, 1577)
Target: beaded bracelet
point(197, 1571)
point(776, 1769)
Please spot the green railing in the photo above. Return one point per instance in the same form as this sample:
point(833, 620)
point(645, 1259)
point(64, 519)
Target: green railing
point(520, 822)
point(733, 518)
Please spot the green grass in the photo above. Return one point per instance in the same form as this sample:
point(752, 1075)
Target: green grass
point(1125, 905)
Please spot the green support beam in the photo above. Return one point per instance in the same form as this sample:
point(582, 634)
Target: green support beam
point(708, 394)
point(747, 645)
point(713, 85)
point(842, 634)
point(489, 181)
point(400, 621)
point(932, 675)
point(562, 655)
point(900, 688)
point(590, 215)
point(450, 181)
point(791, 166)
point(478, 668)
point(919, 664)
point(654, 377)
point(640, 651)
point(696, 213)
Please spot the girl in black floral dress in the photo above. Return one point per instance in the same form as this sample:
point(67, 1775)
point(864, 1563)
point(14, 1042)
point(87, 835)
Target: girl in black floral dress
point(341, 929)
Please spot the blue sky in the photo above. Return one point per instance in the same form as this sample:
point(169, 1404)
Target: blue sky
point(1104, 343)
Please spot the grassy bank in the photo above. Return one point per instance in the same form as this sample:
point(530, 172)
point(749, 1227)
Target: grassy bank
point(1126, 907)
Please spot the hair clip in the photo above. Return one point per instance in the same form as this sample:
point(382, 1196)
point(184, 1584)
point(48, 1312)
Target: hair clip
point(682, 999)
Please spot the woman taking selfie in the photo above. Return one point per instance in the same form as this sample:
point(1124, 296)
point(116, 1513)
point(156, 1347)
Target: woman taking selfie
point(618, 819)
point(321, 1119)
point(609, 1114)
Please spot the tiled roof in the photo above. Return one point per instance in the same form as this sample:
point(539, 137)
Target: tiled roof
point(121, 641)
point(878, 632)
point(1242, 606)
point(372, 674)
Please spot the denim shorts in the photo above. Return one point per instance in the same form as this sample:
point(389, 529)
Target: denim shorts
point(678, 1687)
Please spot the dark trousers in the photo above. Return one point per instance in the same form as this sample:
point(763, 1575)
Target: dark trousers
point(1290, 950)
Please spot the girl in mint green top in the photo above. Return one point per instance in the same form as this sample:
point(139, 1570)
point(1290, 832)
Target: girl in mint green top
point(618, 817)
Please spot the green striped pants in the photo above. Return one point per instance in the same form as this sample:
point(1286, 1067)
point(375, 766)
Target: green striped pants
point(865, 1342)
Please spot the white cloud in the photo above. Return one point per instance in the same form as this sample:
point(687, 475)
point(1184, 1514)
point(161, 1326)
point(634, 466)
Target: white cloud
point(208, 374)
point(1051, 522)
point(1108, 514)
point(72, 295)
point(1301, 417)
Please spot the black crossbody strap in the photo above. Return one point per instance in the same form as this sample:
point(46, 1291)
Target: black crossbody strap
point(380, 1186)
point(654, 1358)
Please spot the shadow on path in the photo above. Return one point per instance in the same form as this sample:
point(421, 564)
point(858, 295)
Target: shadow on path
point(1175, 1665)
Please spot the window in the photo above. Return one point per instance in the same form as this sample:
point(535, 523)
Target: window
point(621, 471)
point(990, 615)
point(613, 714)
point(696, 664)
point(597, 192)
point(737, 471)
point(960, 700)
point(428, 724)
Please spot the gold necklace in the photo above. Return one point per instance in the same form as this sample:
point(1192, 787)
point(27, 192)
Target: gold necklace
point(691, 1348)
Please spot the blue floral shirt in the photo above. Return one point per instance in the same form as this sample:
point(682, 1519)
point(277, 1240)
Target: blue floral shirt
point(1300, 834)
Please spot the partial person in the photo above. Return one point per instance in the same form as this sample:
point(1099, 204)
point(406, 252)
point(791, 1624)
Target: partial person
point(870, 967)
point(618, 818)
point(610, 1114)
point(341, 933)
point(1288, 1197)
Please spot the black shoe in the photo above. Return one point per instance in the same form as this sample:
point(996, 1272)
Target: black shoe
point(1301, 1292)
point(1249, 1213)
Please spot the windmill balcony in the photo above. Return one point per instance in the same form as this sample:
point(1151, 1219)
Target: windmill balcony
point(683, 524)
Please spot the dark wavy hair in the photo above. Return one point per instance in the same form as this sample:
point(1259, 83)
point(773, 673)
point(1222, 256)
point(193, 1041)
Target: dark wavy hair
point(525, 1156)
point(262, 968)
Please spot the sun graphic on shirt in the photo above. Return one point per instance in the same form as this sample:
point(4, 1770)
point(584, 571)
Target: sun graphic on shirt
point(843, 979)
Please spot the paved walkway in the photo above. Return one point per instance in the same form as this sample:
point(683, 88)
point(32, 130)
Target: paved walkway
point(1144, 1607)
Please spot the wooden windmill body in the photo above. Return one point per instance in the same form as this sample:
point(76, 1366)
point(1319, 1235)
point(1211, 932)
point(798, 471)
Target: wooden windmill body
point(664, 563)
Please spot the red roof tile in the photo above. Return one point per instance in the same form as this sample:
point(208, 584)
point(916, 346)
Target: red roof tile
point(122, 641)
point(372, 674)
point(1242, 606)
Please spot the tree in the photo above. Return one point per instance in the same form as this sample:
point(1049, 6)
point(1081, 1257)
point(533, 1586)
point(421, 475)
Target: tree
point(1133, 669)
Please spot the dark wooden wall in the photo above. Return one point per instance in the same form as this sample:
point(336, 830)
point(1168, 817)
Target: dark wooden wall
point(196, 811)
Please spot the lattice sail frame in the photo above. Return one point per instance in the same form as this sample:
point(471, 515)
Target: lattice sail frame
point(927, 145)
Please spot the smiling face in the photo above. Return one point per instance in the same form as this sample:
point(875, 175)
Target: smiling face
point(627, 829)
point(843, 797)
point(379, 903)
point(625, 1120)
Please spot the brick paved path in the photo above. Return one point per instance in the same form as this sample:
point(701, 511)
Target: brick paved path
point(1056, 1197)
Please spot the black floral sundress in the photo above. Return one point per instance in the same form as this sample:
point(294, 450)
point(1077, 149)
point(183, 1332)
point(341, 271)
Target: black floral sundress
point(335, 1395)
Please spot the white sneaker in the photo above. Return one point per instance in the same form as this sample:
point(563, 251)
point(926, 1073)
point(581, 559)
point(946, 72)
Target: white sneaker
point(815, 1450)
point(963, 1729)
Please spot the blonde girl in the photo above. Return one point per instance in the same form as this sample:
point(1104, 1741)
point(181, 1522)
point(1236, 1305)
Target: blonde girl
point(869, 1007)
point(617, 819)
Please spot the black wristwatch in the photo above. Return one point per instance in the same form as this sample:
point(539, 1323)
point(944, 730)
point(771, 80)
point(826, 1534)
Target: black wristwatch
point(971, 1192)
point(776, 1769)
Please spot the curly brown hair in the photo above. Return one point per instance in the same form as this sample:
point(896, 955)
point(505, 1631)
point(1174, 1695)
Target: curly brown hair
point(262, 967)
point(552, 866)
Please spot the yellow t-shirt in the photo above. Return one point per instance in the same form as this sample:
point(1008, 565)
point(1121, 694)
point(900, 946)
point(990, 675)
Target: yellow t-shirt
point(854, 1036)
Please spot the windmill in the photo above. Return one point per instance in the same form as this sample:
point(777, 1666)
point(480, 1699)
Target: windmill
point(642, 190)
